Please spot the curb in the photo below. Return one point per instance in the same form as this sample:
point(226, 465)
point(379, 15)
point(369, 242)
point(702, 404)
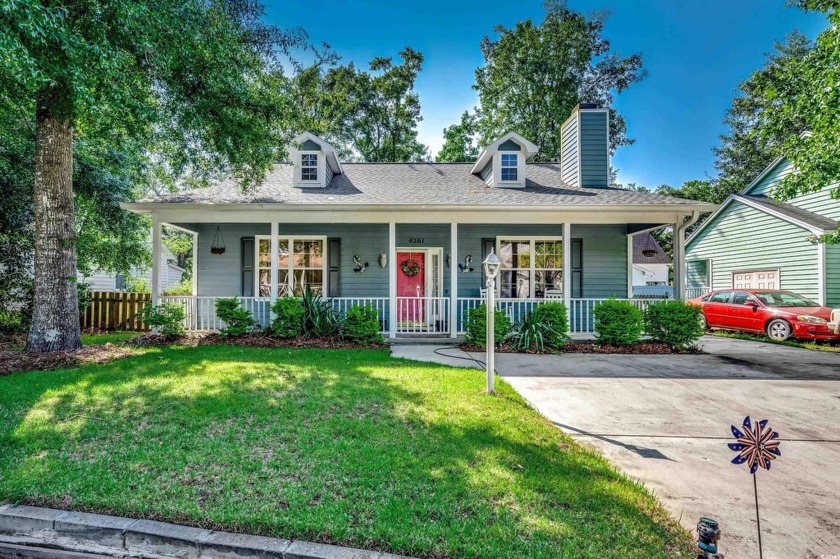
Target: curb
point(81, 533)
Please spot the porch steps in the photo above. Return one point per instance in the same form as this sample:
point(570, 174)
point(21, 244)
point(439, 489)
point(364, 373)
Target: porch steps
point(440, 340)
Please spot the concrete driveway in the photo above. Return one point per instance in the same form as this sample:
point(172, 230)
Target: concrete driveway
point(665, 421)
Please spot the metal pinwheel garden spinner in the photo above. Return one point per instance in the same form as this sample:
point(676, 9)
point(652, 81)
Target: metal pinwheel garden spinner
point(756, 445)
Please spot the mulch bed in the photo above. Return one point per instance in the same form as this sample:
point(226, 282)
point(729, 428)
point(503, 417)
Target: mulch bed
point(257, 339)
point(641, 348)
point(12, 361)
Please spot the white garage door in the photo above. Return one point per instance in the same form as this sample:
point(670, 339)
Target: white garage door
point(760, 279)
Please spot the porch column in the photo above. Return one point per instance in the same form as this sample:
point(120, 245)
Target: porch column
point(630, 265)
point(275, 248)
point(679, 262)
point(392, 280)
point(157, 241)
point(195, 264)
point(567, 268)
point(453, 280)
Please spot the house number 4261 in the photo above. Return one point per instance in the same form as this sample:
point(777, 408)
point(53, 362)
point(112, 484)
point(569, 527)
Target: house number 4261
point(416, 240)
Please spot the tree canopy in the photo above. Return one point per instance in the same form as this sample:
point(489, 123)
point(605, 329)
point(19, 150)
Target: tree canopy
point(183, 86)
point(534, 74)
point(367, 115)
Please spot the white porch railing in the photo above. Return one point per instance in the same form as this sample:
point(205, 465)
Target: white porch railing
point(415, 315)
point(695, 292)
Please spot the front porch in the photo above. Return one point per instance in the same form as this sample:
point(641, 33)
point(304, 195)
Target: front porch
point(422, 278)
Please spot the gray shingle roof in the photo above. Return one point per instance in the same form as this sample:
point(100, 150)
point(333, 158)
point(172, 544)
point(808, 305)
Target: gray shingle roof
point(416, 183)
point(645, 241)
point(795, 212)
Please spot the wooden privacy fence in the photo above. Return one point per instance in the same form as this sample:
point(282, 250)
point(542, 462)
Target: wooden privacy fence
point(109, 310)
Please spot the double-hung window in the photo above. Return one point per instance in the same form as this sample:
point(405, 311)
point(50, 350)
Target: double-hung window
point(309, 167)
point(301, 265)
point(530, 267)
point(509, 167)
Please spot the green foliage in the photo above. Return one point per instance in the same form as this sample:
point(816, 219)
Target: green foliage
point(183, 287)
point(133, 284)
point(319, 317)
point(545, 327)
point(83, 295)
point(361, 325)
point(14, 322)
point(238, 320)
point(804, 95)
point(476, 326)
point(554, 65)
point(368, 115)
point(288, 317)
point(618, 323)
point(674, 323)
point(167, 318)
point(460, 141)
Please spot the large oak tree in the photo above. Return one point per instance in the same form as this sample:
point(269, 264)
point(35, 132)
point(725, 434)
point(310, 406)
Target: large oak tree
point(197, 78)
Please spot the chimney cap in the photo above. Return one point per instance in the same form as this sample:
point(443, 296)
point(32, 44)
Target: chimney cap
point(589, 106)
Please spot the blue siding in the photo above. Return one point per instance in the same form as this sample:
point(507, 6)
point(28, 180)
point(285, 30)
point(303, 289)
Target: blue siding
point(486, 174)
point(604, 260)
point(594, 150)
point(510, 145)
point(767, 185)
point(309, 145)
point(832, 275)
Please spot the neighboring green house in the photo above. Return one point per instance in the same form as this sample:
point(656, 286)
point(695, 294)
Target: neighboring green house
point(753, 241)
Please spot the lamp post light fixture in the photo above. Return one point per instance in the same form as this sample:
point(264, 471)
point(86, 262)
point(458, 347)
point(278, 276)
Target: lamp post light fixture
point(491, 270)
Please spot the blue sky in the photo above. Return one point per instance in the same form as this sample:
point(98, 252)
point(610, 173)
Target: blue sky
point(695, 53)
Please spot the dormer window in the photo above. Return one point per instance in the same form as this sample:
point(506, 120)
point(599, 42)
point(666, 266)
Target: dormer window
point(309, 167)
point(509, 167)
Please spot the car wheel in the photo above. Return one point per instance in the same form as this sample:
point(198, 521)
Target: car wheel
point(779, 330)
point(704, 324)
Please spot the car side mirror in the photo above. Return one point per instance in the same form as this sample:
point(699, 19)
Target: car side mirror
point(751, 304)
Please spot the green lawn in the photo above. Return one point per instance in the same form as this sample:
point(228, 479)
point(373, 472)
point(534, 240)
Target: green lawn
point(108, 338)
point(349, 447)
point(815, 346)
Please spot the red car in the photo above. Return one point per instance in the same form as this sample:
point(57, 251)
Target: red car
point(779, 314)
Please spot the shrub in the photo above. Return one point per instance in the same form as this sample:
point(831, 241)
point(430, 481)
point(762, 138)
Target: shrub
point(183, 287)
point(617, 323)
point(554, 318)
point(319, 317)
point(288, 317)
point(674, 323)
point(166, 317)
point(238, 320)
point(14, 322)
point(84, 296)
point(137, 285)
point(476, 326)
point(361, 325)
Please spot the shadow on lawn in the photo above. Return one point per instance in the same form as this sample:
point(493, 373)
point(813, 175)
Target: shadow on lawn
point(345, 447)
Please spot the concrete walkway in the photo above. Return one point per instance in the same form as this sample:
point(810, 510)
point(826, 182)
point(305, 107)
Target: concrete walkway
point(665, 420)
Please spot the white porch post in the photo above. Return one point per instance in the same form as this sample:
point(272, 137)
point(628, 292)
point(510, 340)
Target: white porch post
point(453, 280)
point(679, 262)
point(157, 241)
point(195, 264)
point(392, 280)
point(567, 269)
point(630, 266)
point(275, 249)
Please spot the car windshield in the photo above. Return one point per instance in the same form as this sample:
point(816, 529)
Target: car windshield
point(784, 299)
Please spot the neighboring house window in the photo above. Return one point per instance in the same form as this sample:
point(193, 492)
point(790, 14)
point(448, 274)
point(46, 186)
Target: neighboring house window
point(303, 269)
point(119, 282)
point(309, 167)
point(509, 167)
point(530, 267)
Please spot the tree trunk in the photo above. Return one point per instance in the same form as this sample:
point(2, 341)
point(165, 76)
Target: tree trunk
point(55, 318)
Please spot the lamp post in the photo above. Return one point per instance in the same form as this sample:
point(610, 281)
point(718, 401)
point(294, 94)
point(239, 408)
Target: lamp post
point(491, 269)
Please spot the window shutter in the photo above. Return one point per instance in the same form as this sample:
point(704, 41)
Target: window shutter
point(247, 244)
point(334, 267)
point(577, 268)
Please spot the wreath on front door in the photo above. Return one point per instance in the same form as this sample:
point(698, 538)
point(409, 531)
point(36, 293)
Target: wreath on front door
point(410, 268)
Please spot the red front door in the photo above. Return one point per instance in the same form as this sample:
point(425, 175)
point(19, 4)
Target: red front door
point(411, 287)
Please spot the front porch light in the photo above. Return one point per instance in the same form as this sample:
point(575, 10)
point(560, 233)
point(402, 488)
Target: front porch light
point(383, 260)
point(491, 265)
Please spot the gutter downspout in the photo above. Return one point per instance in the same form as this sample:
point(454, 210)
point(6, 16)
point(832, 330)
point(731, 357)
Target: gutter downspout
point(679, 260)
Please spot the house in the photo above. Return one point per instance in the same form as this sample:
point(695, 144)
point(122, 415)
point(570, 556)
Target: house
point(754, 241)
point(409, 238)
point(170, 274)
point(651, 268)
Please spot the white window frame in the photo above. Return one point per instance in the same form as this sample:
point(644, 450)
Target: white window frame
point(503, 167)
point(533, 268)
point(317, 166)
point(291, 239)
point(321, 167)
point(520, 168)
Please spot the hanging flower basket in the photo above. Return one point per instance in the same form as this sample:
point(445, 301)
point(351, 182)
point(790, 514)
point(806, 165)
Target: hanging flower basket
point(410, 268)
point(218, 246)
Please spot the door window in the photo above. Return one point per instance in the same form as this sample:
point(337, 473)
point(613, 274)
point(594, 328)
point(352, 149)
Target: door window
point(721, 297)
point(742, 298)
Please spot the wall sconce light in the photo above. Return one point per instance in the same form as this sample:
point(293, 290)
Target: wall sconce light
point(359, 266)
point(383, 260)
point(466, 267)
